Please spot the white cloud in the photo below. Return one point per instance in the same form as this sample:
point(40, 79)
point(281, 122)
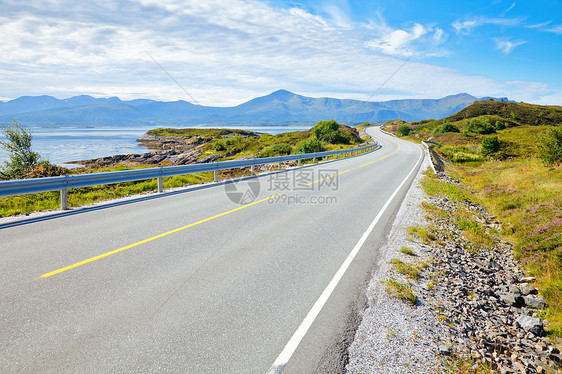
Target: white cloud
point(418, 40)
point(469, 24)
point(222, 51)
point(506, 46)
point(556, 29)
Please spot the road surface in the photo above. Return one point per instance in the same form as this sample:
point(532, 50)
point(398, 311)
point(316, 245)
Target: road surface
point(194, 282)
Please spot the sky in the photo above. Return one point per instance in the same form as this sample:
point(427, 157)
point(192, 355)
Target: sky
point(225, 52)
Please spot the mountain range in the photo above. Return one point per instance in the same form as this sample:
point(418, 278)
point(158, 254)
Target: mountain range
point(277, 108)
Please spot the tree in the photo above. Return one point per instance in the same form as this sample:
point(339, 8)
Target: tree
point(550, 146)
point(490, 145)
point(330, 132)
point(22, 160)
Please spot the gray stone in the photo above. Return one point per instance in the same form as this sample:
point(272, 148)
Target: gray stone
point(514, 289)
point(530, 324)
point(527, 280)
point(528, 290)
point(444, 350)
point(535, 302)
point(513, 299)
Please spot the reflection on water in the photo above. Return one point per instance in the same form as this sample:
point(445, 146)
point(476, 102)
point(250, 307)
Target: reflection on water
point(67, 144)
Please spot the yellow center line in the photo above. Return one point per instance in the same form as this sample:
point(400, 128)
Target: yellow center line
point(148, 240)
point(323, 179)
point(382, 158)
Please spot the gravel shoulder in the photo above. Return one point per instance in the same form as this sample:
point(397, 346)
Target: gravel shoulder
point(393, 336)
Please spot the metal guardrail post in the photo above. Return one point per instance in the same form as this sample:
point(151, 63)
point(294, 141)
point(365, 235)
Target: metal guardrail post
point(216, 175)
point(253, 170)
point(64, 199)
point(299, 162)
point(280, 165)
point(160, 185)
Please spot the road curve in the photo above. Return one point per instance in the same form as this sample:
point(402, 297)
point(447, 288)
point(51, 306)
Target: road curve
point(194, 282)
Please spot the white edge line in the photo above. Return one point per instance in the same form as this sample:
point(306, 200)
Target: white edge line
point(295, 340)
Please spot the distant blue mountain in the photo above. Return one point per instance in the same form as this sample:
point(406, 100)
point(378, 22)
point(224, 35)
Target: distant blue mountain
point(276, 108)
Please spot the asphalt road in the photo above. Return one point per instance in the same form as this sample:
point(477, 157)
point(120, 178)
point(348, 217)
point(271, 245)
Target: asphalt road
point(219, 295)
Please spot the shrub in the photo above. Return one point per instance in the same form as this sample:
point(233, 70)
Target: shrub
point(403, 130)
point(276, 150)
point(219, 146)
point(446, 127)
point(499, 125)
point(311, 145)
point(480, 125)
point(550, 146)
point(490, 145)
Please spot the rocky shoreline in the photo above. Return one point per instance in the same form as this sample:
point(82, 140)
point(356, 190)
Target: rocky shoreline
point(168, 151)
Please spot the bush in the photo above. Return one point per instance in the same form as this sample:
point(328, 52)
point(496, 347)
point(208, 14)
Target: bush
point(276, 150)
point(311, 145)
point(499, 125)
point(403, 130)
point(490, 145)
point(22, 160)
point(446, 127)
point(550, 146)
point(330, 132)
point(480, 125)
point(219, 146)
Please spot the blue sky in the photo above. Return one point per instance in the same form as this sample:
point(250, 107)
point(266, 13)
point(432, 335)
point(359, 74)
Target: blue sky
point(224, 52)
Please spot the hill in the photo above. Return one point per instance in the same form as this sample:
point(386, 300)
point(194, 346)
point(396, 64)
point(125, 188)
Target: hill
point(515, 113)
point(279, 107)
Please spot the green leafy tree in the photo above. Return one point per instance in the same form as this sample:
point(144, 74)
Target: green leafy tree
point(330, 132)
point(550, 146)
point(21, 159)
point(490, 145)
point(311, 145)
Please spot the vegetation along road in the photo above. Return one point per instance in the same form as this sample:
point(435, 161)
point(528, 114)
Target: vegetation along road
point(196, 282)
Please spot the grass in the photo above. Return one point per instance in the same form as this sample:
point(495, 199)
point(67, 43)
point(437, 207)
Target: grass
point(421, 232)
point(407, 251)
point(401, 291)
point(405, 268)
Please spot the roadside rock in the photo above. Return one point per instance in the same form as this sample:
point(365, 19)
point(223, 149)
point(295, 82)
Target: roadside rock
point(530, 324)
point(535, 302)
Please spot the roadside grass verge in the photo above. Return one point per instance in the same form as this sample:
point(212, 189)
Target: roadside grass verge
point(526, 197)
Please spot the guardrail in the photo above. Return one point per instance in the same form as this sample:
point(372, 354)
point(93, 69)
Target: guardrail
point(65, 182)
